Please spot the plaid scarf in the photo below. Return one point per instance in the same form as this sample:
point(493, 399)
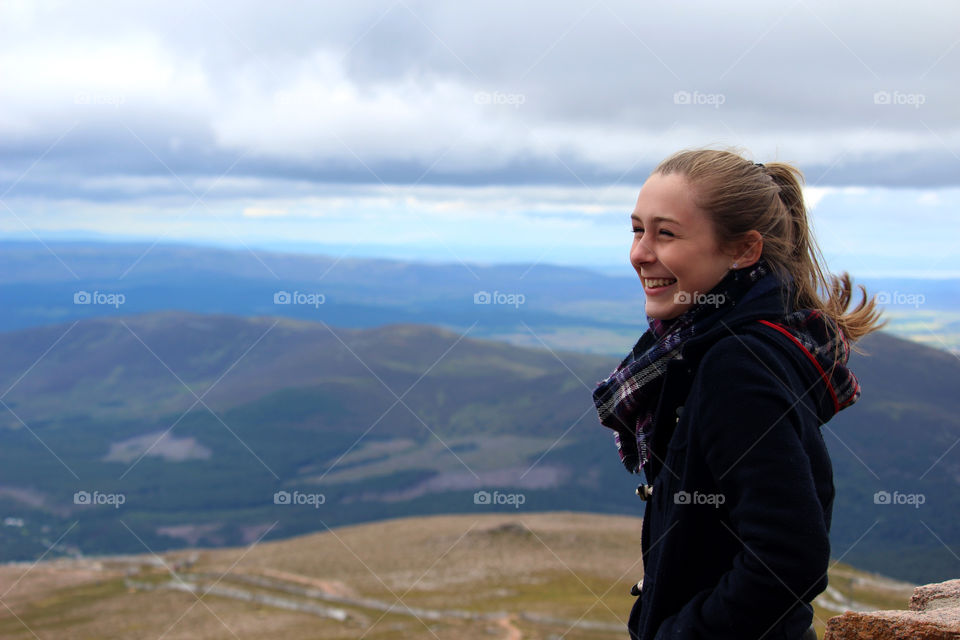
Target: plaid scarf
point(627, 399)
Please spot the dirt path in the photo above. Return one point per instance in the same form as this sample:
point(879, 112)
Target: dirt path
point(330, 587)
point(513, 633)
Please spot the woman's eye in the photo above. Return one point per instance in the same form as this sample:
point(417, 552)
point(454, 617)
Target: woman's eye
point(664, 232)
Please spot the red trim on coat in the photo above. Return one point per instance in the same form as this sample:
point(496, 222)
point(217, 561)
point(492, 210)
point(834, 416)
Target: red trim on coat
point(826, 380)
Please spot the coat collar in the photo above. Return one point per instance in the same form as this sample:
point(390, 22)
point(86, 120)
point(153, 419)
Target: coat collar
point(764, 301)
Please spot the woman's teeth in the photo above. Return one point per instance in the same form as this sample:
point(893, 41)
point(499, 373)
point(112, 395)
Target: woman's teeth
point(654, 283)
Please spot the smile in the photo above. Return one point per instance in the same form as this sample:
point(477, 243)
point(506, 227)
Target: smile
point(656, 283)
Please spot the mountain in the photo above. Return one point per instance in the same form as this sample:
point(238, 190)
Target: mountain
point(60, 282)
point(526, 304)
point(198, 421)
point(203, 430)
point(474, 576)
point(896, 460)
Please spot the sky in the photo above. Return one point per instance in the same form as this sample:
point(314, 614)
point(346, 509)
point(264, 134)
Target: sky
point(481, 132)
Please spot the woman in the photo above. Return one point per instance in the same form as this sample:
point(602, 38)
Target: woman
point(719, 404)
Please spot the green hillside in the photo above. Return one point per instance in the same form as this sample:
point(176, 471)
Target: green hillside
point(198, 421)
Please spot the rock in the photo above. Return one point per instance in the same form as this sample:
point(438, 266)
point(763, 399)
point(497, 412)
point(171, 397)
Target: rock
point(934, 615)
point(936, 596)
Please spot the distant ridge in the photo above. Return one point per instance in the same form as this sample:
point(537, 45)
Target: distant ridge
point(570, 308)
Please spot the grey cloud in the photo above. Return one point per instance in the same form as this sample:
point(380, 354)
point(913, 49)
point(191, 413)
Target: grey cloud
point(807, 70)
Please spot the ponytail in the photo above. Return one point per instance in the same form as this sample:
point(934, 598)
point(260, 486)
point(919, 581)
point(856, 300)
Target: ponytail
point(740, 196)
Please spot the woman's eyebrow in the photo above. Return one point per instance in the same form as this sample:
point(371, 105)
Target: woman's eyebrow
point(656, 218)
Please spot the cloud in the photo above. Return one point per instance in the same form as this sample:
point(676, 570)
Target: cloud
point(112, 101)
point(261, 212)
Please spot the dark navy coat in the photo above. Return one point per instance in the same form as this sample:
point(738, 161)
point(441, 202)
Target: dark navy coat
point(735, 536)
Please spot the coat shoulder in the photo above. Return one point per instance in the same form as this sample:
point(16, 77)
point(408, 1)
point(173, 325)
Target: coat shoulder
point(751, 352)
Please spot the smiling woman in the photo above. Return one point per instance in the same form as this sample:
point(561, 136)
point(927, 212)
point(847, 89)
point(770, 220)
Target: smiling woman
point(719, 405)
point(675, 250)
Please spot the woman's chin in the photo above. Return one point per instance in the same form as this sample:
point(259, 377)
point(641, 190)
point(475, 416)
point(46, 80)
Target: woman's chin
point(664, 311)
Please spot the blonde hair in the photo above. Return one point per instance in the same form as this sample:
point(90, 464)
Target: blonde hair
point(740, 196)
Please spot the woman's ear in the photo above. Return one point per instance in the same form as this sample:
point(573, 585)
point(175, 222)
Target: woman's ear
point(749, 249)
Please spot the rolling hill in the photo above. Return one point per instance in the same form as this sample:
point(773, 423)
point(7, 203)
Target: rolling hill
point(209, 430)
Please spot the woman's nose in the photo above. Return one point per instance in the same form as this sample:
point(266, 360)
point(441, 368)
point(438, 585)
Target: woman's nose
point(640, 253)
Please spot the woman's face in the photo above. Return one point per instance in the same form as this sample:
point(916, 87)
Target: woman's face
point(675, 249)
